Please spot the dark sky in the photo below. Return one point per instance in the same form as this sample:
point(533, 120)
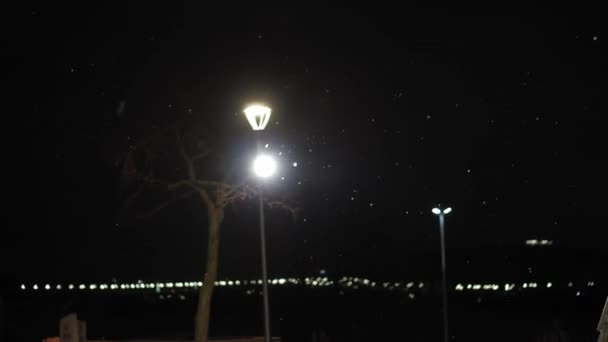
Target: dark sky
point(387, 113)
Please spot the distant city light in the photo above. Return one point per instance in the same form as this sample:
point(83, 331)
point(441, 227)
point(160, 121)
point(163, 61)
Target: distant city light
point(535, 242)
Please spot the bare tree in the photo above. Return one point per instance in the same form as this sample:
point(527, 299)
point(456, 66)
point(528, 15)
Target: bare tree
point(140, 167)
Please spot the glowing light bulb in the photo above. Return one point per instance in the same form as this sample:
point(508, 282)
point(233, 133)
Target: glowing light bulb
point(258, 116)
point(264, 166)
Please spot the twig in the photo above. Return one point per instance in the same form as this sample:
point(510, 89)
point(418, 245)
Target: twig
point(165, 204)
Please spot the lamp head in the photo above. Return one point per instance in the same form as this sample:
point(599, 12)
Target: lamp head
point(438, 211)
point(258, 116)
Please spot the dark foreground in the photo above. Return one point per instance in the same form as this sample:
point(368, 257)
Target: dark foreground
point(313, 314)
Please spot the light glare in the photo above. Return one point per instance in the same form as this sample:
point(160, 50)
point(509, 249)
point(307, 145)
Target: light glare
point(264, 166)
point(436, 211)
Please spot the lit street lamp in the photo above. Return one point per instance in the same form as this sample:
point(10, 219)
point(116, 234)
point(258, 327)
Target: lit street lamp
point(258, 116)
point(441, 213)
point(264, 166)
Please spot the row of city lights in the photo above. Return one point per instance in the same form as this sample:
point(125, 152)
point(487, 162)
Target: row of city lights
point(508, 286)
point(351, 282)
point(141, 285)
point(318, 281)
point(357, 282)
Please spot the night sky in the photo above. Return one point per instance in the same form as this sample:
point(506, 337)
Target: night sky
point(377, 116)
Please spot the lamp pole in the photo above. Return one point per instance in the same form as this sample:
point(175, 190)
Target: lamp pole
point(267, 335)
point(444, 286)
point(263, 166)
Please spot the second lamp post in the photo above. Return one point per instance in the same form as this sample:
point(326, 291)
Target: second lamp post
point(441, 213)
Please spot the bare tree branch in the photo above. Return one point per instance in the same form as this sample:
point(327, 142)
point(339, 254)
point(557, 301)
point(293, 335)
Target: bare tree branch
point(181, 183)
point(282, 205)
point(213, 184)
point(187, 159)
point(201, 155)
point(165, 204)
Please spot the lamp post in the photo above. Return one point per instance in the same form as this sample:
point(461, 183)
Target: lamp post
point(264, 166)
point(441, 213)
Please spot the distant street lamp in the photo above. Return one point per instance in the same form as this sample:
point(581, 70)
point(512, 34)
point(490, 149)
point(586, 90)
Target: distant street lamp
point(264, 166)
point(441, 213)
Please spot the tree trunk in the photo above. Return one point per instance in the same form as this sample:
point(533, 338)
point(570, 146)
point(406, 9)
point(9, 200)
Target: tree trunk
point(201, 320)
